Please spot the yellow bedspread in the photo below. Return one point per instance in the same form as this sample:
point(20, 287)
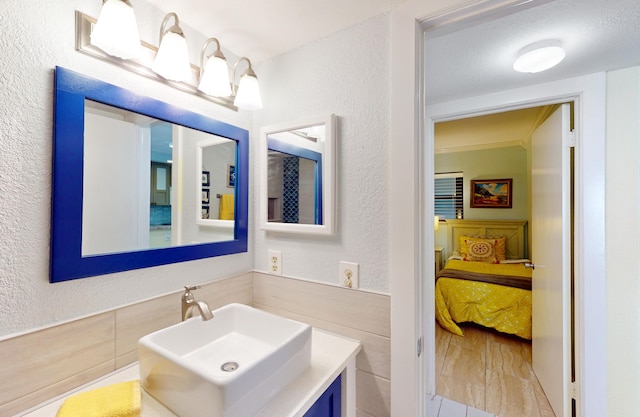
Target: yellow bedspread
point(505, 309)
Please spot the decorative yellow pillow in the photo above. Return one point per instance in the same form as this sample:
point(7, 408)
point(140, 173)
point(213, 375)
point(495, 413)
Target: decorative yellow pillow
point(500, 244)
point(481, 250)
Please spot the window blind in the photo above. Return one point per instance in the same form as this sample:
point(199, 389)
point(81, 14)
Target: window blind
point(448, 195)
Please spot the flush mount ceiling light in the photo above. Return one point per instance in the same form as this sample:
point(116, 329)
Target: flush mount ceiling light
point(539, 57)
point(116, 31)
point(247, 95)
point(172, 60)
point(214, 73)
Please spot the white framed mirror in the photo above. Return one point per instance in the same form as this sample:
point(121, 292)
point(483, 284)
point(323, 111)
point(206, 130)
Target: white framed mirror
point(297, 176)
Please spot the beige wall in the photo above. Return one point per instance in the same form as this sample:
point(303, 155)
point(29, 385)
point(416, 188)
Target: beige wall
point(622, 182)
point(42, 364)
point(357, 314)
point(508, 162)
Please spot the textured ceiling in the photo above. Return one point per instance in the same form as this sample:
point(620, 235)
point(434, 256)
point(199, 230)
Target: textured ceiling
point(597, 35)
point(462, 60)
point(476, 58)
point(263, 29)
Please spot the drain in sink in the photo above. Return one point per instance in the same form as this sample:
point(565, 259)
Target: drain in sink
point(229, 366)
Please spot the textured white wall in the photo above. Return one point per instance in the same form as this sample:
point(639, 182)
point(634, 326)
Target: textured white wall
point(346, 74)
point(36, 36)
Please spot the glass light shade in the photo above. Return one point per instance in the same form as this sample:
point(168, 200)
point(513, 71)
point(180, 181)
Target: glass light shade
point(215, 78)
point(248, 95)
point(172, 60)
point(540, 59)
point(116, 31)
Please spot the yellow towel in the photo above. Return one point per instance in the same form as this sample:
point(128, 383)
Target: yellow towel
point(116, 400)
point(226, 207)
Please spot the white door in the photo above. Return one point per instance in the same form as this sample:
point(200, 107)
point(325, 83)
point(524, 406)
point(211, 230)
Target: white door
point(551, 255)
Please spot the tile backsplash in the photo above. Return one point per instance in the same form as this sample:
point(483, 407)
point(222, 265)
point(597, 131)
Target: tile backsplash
point(46, 363)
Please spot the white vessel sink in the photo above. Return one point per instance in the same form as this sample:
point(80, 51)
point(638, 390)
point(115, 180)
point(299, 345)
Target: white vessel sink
point(230, 366)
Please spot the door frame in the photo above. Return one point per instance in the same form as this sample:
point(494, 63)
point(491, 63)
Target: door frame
point(411, 238)
point(588, 94)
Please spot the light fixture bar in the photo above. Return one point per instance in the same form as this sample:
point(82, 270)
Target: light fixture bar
point(142, 65)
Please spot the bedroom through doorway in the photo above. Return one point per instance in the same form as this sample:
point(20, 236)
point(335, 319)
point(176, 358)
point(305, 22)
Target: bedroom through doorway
point(485, 368)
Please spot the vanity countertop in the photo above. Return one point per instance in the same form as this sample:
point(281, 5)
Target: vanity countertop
point(330, 355)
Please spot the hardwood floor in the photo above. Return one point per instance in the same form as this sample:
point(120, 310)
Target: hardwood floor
point(489, 371)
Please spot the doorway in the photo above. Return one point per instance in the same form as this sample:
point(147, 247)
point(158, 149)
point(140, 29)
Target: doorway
point(511, 100)
point(411, 161)
point(487, 369)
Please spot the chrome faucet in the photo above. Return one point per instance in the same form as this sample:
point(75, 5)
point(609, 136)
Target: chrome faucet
point(189, 303)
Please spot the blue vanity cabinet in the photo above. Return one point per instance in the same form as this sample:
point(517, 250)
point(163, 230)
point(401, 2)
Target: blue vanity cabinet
point(330, 402)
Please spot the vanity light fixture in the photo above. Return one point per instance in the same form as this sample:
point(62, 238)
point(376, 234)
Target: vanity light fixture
point(539, 57)
point(170, 62)
point(214, 73)
point(116, 31)
point(172, 59)
point(247, 94)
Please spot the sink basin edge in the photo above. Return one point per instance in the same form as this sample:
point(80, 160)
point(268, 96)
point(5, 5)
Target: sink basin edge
point(184, 366)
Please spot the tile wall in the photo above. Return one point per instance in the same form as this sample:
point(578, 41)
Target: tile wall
point(43, 364)
point(357, 314)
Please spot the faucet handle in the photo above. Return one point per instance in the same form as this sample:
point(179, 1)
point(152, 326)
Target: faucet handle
point(187, 296)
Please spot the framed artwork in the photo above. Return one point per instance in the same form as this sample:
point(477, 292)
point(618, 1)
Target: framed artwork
point(491, 193)
point(205, 212)
point(205, 196)
point(206, 178)
point(231, 176)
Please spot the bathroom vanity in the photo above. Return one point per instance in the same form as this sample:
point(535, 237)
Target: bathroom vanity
point(327, 386)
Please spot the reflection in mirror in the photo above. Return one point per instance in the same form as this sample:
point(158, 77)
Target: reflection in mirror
point(294, 182)
point(123, 193)
point(128, 183)
point(297, 182)
point(215, 174)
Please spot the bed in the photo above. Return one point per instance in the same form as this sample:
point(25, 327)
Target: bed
point(484, 280)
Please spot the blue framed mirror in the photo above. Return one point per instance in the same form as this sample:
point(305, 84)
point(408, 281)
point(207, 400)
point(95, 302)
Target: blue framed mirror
point(119, 198)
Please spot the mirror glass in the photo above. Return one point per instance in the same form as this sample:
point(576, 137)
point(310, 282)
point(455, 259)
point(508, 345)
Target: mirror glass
point(125, 188)
point(128, 186)
point(298, 182)
point(294, 183)
point(215, 177)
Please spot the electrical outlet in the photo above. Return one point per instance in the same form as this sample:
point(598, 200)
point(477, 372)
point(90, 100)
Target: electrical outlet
point(275, 262)
point(348, 276)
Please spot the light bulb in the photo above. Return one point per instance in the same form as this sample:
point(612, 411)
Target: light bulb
point(539, 59)
point(215, 78)
point(248, 96)
point(172, 59)
point(116, 31)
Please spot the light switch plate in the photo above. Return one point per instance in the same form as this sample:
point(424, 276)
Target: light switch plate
point(275, 262)
point(348, 276)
